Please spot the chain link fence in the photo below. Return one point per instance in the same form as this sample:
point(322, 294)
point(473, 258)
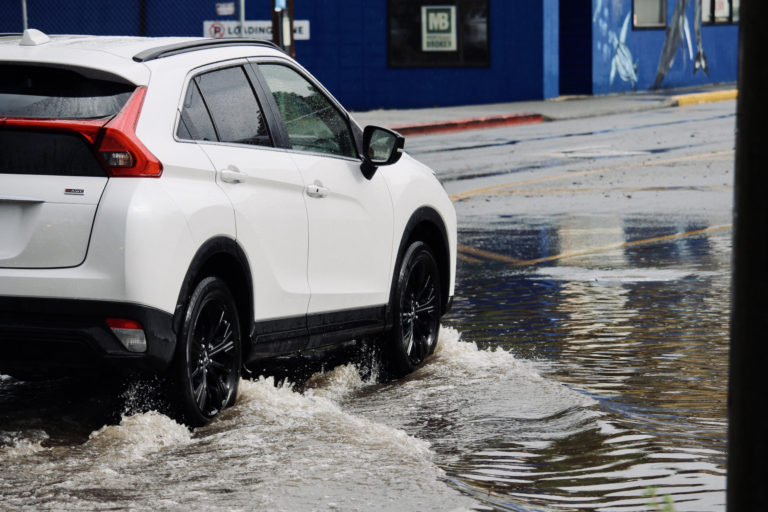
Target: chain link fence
point(133, 17)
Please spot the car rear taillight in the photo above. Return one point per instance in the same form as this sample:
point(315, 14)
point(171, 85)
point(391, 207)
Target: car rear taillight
point(130, 333)
point(120, 150)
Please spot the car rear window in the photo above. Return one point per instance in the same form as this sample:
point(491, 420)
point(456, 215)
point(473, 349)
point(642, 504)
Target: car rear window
point(56, 93)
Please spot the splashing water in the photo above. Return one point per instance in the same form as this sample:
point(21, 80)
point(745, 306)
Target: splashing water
point(345, 442)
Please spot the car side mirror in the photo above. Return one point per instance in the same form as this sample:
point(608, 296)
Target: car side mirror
point(380, 147)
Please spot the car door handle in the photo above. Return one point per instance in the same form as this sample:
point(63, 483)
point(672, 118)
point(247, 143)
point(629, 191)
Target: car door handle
point(317, 190)
point(232, 175)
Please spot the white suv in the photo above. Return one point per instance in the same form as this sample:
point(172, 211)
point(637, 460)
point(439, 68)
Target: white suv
point(189, 206)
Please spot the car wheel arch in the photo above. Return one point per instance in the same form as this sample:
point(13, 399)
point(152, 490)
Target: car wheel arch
point(220, 257)
point(425, 225)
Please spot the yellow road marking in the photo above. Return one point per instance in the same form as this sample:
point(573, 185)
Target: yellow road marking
point(555, 191)
point(507, 188)
point(581, 252)
point(705, 97)
point(494, 188)
point(487, 254)
point(468, 259)
point(633, 243)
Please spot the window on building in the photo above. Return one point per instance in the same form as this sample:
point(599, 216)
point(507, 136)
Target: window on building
point(650, 13)
point(720, 11)
point(438, 33)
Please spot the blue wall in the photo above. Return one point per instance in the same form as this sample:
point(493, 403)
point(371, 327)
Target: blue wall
point(348, 53)
point(645, 47)
point(348, 47)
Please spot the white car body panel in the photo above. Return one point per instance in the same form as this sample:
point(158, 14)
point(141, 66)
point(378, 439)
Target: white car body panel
point(350, 234)
point(81, 52)
point(410, 182)
point(43, 226)
point(271, 224)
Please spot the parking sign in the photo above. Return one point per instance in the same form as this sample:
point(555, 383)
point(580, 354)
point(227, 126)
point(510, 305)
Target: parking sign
point(438, 28)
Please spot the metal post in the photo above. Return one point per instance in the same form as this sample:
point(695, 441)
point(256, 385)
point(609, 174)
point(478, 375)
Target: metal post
point(276, 24)
point(747, 422)
point(242, 18)
point(142, 18)
point(289, 30)
point(24, 14)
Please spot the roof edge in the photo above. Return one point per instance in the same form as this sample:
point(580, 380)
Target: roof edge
point(201, 44)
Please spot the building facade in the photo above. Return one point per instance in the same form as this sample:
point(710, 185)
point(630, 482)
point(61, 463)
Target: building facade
point(421, 53)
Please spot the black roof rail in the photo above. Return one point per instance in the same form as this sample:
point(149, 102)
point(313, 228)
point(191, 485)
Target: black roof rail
point(200, 44)
point(9, 34)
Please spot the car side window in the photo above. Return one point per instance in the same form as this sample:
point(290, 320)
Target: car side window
point(312, 121)
point(232, 105)
point(195, 123)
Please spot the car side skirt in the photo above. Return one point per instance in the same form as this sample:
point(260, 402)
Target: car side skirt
point(295, 334)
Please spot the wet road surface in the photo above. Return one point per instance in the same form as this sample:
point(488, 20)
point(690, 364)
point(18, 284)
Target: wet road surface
point(583, 366)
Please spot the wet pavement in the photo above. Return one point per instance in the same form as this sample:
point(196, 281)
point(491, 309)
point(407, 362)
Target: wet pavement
point(583, 367)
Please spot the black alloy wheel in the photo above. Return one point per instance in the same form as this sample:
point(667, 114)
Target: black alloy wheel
point(209, 353)
point(416, 310)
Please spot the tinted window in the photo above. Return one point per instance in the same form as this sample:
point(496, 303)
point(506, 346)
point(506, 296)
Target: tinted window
point(44, 92)
point(313, 123)
point(195, 121)
point(46, 152)
point(233, 106)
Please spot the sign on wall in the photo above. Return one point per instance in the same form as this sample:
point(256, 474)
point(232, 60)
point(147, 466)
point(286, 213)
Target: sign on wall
point(438, 28)
point(438, 33)
point(254, 29)
point(225, 8)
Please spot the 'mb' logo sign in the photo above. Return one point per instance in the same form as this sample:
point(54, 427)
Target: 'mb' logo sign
point(438, 28)
point(438, 20)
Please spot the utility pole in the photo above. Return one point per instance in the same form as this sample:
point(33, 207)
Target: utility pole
point(282, 25)
point(747, 387)
point(24, 14)
point(241, 12)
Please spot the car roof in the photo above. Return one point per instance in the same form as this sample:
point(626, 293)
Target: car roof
point(123, 56)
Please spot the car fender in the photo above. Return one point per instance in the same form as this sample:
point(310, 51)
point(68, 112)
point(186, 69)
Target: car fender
point(418, 197)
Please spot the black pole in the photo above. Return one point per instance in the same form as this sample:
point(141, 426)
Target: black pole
point(292, 49)
point(142, 17)
point(748, 386)
point(276, 26)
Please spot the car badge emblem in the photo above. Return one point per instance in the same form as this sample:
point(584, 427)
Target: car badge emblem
point(74, 191)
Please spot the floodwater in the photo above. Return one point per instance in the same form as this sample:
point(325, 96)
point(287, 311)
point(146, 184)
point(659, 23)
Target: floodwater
point(640, 333)
point(592, 381)
point(562, 386)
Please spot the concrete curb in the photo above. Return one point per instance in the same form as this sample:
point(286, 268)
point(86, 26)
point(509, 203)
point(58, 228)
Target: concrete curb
point(473, 123)
point(495, 121)
point(684, 100)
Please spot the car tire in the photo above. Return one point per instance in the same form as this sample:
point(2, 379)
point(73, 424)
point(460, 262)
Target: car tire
point(208, 355)
point(416, 311)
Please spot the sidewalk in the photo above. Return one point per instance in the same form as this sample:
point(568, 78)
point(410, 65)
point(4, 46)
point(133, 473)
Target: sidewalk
point(447, 119)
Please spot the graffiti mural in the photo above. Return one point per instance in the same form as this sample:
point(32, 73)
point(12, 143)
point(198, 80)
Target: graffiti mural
point(622, 57)
point(611, 45)
point(679, 34)
point(686, 43)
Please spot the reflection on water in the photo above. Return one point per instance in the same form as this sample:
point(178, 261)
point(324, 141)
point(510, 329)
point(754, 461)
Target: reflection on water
point(573, 385)
point(642, 330)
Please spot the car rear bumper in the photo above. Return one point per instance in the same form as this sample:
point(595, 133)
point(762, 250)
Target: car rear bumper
point(41, 337)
